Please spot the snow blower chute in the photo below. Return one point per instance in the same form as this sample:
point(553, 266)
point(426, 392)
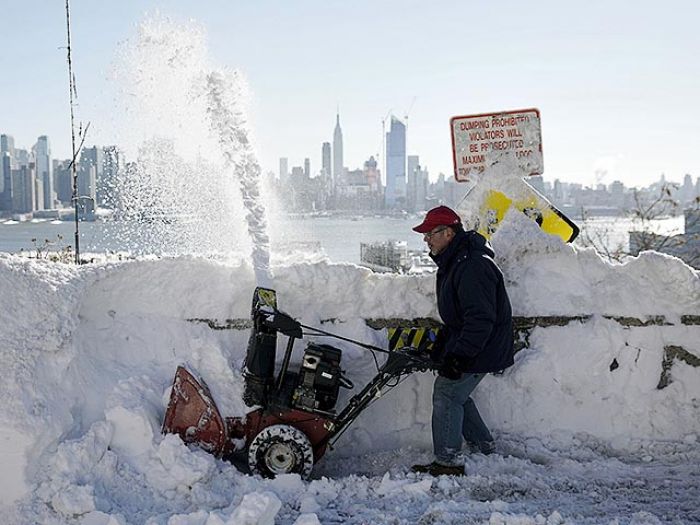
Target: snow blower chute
point(293, 418)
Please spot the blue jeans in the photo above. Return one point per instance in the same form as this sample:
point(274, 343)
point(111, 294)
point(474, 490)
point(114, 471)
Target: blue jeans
point(455, 416)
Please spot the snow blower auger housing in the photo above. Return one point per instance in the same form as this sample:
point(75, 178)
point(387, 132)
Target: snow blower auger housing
point(293, 418)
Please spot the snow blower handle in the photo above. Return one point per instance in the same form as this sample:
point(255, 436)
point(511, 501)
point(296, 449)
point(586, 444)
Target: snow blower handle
point(336, 336)
point(412, 358)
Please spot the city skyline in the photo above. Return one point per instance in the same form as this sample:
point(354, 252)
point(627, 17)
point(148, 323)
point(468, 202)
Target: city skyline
point(615, 86)
point(285, 165)
point(33, 184)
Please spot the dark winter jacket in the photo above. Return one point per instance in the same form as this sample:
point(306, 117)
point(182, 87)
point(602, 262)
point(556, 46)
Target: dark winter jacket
point(473, 304)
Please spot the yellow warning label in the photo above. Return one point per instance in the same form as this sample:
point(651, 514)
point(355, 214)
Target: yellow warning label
point(419, 338)
point(550, 219)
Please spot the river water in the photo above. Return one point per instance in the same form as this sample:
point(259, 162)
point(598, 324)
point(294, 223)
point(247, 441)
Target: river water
point(338, 238)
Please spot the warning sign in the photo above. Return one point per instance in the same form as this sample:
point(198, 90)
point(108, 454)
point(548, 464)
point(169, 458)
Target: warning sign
point(482, 142)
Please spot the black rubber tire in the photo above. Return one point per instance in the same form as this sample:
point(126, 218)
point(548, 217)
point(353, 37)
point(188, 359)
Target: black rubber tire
point(280, 449)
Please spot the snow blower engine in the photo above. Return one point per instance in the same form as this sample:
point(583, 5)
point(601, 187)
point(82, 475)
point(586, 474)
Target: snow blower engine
point(293, 418)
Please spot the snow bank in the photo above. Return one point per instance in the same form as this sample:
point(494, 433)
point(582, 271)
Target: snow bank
point(547, 277)
point(90, 353)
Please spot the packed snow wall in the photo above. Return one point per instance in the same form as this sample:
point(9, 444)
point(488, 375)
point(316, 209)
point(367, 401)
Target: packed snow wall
point(610, 351)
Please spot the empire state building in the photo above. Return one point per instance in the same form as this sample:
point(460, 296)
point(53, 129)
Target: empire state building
point(337, 152)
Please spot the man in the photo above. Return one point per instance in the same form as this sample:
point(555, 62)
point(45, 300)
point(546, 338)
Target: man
point(477, 337)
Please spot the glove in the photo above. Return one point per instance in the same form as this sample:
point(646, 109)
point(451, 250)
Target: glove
point(449, 369)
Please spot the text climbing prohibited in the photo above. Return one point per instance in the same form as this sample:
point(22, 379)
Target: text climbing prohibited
point(482, 142)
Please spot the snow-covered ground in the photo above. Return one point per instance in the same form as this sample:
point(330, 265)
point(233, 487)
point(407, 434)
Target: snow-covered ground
point(89, 354)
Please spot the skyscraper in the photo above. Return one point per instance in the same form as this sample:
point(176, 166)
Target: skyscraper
point(307, 168)
point(337, 152)
point(7, 146)
point(64, 181)
point(374, 180)
point(687, 190)
point(395, 196)
point(326, 159)
point(44, 173)
point(20, 157)
point(24, 188)
point(6, 171)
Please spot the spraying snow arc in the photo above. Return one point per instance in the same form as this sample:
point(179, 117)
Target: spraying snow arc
point(182, 126)
point(224, 92)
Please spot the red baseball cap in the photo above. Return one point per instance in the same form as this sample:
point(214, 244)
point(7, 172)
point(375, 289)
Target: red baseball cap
point(440, 216)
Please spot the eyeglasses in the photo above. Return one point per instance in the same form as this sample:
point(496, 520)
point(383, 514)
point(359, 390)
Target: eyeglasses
point(430, 234)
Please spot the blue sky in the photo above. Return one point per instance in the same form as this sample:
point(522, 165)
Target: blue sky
point(617, 83)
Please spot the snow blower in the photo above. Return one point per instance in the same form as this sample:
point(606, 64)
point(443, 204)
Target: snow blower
point(293, 417)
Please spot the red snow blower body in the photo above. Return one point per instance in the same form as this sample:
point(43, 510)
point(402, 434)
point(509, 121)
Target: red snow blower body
point(293, 418)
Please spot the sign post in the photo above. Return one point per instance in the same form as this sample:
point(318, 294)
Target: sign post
point(482, 142)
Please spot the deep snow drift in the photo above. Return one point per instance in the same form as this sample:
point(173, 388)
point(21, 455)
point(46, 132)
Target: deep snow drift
point(89, 354)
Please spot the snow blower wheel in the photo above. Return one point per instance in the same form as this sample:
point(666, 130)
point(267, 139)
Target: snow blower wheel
point(281, 449)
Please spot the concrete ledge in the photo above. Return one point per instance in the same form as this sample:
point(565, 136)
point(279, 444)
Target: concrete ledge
point(520, 323)
point(522, 328)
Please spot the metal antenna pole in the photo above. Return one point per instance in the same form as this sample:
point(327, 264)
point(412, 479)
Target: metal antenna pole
point(74, 173)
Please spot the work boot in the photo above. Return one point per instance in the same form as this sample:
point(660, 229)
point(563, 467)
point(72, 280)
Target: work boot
point(437, 469)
